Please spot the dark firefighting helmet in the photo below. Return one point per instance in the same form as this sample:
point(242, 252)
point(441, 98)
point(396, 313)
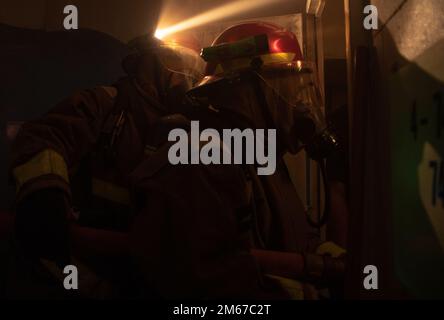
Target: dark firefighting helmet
point(178, 55)
point(164, 70)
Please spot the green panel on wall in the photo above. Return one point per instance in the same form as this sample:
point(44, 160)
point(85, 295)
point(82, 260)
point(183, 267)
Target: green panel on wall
point(417, 133)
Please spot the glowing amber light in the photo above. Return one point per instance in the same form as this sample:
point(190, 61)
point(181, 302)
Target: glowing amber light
point(214, 15)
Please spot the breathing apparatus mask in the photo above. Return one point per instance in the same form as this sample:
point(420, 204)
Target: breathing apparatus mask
point(282, 96)
point(263, 92)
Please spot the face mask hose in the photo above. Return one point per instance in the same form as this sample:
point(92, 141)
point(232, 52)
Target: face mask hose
point(317, 146)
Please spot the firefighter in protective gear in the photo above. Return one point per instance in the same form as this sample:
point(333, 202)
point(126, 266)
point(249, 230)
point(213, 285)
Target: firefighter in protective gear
point(71, 166)
point(194, 231)
point(256, 72)
point(222, 231)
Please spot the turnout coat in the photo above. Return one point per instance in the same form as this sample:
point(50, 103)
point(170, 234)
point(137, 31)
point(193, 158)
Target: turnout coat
point(187, 230)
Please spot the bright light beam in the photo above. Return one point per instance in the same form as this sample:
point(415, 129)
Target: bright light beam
point(213, 15)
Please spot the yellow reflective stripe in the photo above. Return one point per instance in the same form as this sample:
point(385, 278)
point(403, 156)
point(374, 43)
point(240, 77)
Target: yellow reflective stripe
point(330, 248)
point(240, 63)
point(111, 192)
point(278, 57)
point(44, 163)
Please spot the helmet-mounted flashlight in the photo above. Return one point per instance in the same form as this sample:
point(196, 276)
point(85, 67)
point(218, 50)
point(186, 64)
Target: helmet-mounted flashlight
point(248, 47)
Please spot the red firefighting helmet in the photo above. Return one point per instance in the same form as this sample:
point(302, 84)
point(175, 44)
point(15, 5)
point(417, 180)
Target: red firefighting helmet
point(283, 45)
point(283, 68)
point(286, 77)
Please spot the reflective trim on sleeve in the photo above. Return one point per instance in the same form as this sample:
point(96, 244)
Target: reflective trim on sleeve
point(44, 163)
point(110, 192)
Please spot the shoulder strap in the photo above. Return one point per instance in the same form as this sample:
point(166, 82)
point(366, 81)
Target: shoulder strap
point(132, 99)
point(129, 97)
point(113, 123)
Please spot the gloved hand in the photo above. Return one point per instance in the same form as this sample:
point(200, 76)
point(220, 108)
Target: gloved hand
point(327, 266)
point(41, 225)
point(324, 269)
